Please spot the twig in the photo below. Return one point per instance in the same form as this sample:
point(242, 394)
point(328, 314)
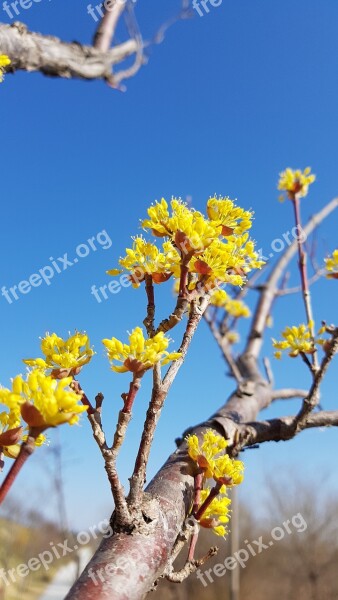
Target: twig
point(224, 346)
point(312, 399)
point(106, 29)
point(137, 479)
point(190, 567)
point(288, 394)
point(303, 276)
point(149, 320)
point(268, 370)
point(198, 485)
point(26, 450)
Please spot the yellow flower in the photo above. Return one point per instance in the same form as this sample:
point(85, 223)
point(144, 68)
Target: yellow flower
point(210, 457)
point(144, 258)
point(295, 182)
point(227, 262)
point(70, 354)
point(331, 264)
point(43, 401)
point(232, 337)
point(216, 515)
point(235, 308)
point(219, 298)
point(140, 354)
point(4, 62)
point(188, 229)
point(223, 212)
point(297, 339)
point(10, 431)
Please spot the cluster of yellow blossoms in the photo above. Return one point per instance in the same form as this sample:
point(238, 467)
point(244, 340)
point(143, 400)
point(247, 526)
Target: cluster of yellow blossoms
point(295, 182)
point(297, 340)
point(72, 353)
point(235, 308)
point(140, 354)
point(215, 249)
point(331, 264)
point(215, 464)
point(144, 258)
point(4, 62)
point(39, 400)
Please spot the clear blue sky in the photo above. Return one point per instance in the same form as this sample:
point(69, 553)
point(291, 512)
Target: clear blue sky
point(224, 104)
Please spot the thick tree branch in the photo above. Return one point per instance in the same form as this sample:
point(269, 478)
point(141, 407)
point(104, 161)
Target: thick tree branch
point(279, 429)
point(35, 52)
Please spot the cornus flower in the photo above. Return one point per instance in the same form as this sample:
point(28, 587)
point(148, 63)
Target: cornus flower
point(223, 212)
point(295, 182)
point(70, 354)
point(188, 229)
point(331, 264)
point(43, 401)
point(297, 340)
point(227, 262)
point(235, 308)
point(140, 354)
point(4, 62)
point(144, 258)
point(10, 432)
point(216, 515)
point(211, 459)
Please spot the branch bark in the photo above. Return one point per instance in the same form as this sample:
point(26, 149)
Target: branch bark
point(30, 51)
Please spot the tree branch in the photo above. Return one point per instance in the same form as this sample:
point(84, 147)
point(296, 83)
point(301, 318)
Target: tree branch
point(270, 289)
point(36, 52)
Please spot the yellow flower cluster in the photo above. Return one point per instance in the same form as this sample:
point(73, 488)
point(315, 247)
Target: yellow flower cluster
point(70, 354)
point(235, 308)
point(232, 219)
point(216, 515)
point(215, 464)
point(295, 182)
point(144, 258)
point(140, 354)
point(42, 401)
point(331, 264)
point(4, 62)
point(297, 340)
point(215, 249)
point(187, 228)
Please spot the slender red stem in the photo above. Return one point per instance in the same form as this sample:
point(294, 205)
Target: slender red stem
point(26, 451)
point(130, 397)
point(303, 275)
point(198, 485)
point(213, 493)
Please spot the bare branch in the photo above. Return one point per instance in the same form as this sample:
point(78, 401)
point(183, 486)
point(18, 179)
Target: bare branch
point(288, 394)
point(281, 429)
point(105, 32)
point(224, 346)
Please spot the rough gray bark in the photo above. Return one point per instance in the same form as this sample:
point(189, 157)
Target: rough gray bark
point(49, 55)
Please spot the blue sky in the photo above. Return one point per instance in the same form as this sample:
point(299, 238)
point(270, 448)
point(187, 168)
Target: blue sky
point(224, 104)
